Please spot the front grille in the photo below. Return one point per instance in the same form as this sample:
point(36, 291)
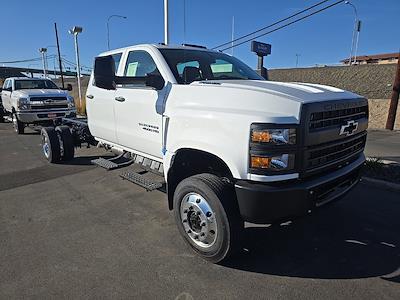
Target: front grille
point(323, 119)
point(49, 106)
point(44, 98)
point(332, 152)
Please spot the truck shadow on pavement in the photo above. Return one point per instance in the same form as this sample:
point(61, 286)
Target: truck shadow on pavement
point(357, 237)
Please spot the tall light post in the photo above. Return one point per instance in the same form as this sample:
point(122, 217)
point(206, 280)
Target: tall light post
point(108, 27)
point(75, 31)
point(44, 60)
point(356, 34)
point(166, 23)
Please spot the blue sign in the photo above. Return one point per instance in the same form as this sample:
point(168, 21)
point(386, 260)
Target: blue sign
point(262, 49)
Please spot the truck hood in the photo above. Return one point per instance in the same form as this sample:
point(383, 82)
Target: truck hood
point(258, 101)
point(296, 91)
point(40, 92)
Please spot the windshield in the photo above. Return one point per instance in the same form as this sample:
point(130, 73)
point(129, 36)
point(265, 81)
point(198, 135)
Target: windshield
point(196, 65)
point(34, 84)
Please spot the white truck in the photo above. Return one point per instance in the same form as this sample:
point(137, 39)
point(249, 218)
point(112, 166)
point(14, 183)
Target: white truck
point(34, 101)
point(231, 146)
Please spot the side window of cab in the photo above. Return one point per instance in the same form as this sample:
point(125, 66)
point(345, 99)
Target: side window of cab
point(140, 64)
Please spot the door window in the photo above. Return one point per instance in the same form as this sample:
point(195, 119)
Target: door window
point(117, 60)
point(140, 64)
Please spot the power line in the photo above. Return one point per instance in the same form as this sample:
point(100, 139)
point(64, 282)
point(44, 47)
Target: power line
point(285, 25)
point(271, 25)
point(25, 60)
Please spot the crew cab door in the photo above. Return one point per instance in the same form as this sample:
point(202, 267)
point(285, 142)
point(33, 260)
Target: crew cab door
point(100, 108)
point(138, 125)
point(6, 95)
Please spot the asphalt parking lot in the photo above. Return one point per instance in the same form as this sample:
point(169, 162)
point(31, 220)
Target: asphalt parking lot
point(78, 231)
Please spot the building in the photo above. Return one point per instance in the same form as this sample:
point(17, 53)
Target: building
point(386, 58)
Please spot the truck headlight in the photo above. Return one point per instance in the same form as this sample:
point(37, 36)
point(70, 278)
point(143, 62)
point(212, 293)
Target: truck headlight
point(273, 148)
point(280, 162)
point(23, 103)
point(71, 102)
point(274, 136)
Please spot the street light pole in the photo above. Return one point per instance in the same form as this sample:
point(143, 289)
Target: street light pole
point(108, 27)
point(356, 32)
point(43, 52)
point(166, 23)
point(75, 31)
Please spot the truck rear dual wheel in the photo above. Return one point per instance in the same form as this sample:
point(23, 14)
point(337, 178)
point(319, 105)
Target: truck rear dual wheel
point(67, 142)
point(208, 217)
point(19, 127)
point(57, 143)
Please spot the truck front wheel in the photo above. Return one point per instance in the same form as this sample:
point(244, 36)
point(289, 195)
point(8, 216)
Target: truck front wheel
point(19, 127)
point(207, 216)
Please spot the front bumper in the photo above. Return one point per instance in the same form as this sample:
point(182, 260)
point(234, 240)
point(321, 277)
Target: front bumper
point(42, 116)
point(269, 203)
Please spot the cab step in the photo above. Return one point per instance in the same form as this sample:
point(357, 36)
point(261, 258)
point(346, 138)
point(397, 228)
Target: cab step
point(113, 163)
point(149, 183)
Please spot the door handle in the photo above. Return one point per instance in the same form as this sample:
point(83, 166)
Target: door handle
point(90, 96)
point(120, 99)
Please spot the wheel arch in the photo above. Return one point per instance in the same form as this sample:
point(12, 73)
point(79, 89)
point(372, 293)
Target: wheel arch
point(187, 162)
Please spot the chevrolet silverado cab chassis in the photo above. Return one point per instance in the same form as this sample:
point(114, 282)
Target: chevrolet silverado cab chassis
point(231, 147)
point(34, 101)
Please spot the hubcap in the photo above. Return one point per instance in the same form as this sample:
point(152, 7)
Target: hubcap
point(198, 220)
point(46, 147)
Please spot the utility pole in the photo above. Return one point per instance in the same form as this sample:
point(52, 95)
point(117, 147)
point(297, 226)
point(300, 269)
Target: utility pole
point(43, 52)
point(59, 56)
point(233, 32)
point(394, 100)
point(166, 27)
point(297, 59)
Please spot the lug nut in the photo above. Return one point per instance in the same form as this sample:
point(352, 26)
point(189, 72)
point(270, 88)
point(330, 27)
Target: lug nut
point(189, 231)
point(209, 214)
point(212, 231)
point(196, 237)
point(202, 234)
point(203, 224)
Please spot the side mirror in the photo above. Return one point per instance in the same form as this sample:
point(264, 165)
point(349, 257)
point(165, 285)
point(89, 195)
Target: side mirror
point(155, 81)
point(104, 72)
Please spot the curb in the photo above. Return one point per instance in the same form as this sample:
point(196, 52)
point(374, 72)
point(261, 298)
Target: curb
point(381, 183)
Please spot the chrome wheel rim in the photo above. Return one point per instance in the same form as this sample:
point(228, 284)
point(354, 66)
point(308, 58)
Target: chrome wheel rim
point(46, 147)
point(198, 220)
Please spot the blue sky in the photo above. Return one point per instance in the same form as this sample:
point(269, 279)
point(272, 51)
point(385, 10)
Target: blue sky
point(321, 39)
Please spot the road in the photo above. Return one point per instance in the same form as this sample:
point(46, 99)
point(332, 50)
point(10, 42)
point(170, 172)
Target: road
point(77, 231)
point(384, 144)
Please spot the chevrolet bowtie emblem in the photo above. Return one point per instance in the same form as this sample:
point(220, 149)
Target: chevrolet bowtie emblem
point(349, 128)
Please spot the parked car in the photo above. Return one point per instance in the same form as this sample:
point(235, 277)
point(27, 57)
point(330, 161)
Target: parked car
point(231, 146)
point(35, 101)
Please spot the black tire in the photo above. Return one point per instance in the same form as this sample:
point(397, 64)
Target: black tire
point(19, 127)
point(50, 144)
point(67, 142)
point(220, 197)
